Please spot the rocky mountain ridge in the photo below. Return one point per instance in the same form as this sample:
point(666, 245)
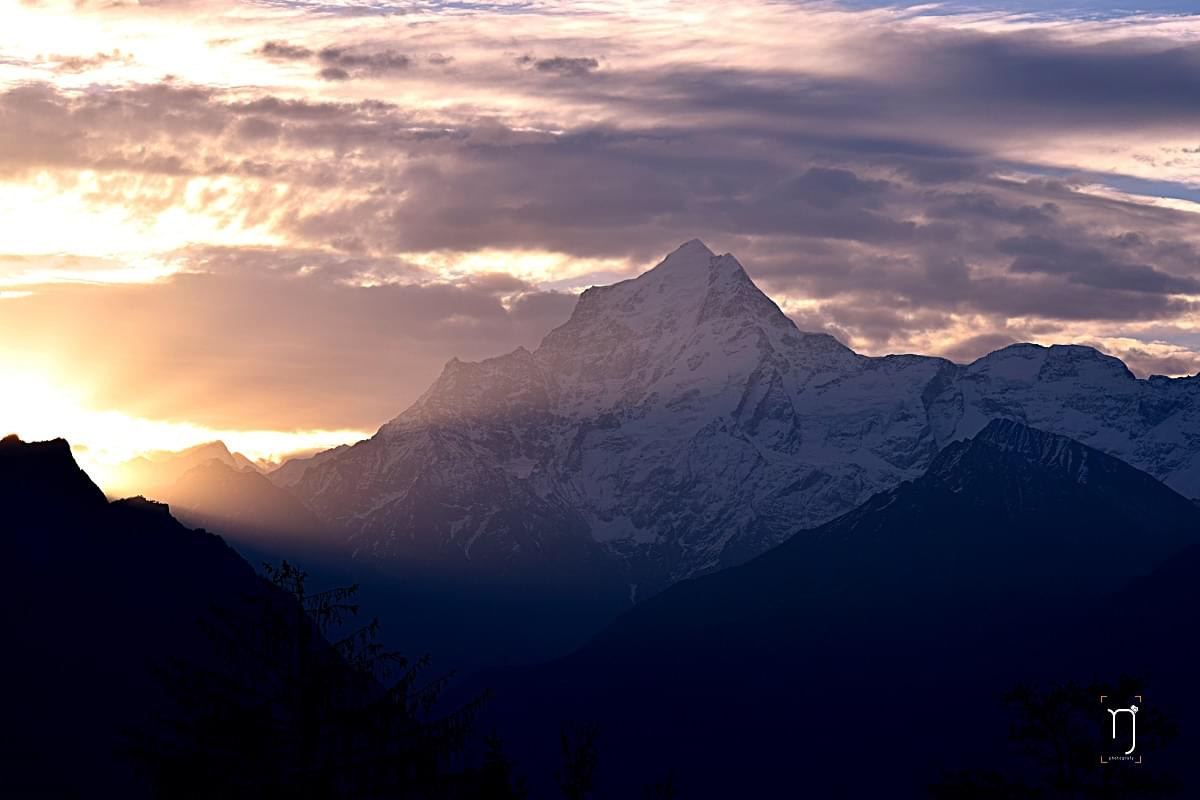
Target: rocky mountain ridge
point(680, 422)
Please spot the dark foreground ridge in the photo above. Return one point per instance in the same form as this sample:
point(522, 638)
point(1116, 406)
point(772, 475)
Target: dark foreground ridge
point(150, 660)
point(890, 652)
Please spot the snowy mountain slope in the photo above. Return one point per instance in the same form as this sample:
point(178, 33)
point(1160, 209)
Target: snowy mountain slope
point(290, 470)
point(1093, 398)
point(680, 422)
point(1009, 561)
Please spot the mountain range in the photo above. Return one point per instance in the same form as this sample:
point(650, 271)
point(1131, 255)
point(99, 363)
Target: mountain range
point(679, 422)
point(870, 656)
point(150, 472)
point(889, 635)
point(825, 560)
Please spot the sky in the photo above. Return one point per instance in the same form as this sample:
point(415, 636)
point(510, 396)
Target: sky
point(273, 221)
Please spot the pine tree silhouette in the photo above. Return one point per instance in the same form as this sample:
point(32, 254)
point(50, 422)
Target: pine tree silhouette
point(664, 789)
point(577, 777)
point(304, 704)
point(1059, 733)
point(496, 778)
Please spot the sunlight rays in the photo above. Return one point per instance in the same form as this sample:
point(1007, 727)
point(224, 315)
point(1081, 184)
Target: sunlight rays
point(36, 407)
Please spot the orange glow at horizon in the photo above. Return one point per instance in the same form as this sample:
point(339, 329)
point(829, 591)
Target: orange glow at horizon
point(35, 408)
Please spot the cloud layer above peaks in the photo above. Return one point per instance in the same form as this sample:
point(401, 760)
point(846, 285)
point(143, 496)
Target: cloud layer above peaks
point(290, 182)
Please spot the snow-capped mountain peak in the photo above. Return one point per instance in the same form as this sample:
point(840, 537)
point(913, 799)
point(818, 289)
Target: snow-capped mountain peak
point(685, 289)
point(679, 421)
point(1030, 363)
point(695, 324)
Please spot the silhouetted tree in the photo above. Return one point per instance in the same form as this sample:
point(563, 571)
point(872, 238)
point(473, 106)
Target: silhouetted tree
point(578, 774)
point(664, 789)
point(496, 778)
point(299, 702)
point(1060, 733)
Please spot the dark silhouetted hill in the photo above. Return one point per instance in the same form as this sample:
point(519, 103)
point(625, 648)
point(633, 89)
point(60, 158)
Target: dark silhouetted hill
point(147, 659)
point(98, 595)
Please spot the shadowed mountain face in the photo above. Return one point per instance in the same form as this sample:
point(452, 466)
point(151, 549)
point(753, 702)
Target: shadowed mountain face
point(289, 472)
point(468, 614)
point(680, 422)
point(217, 496)
point(870, 653)
point(99, 596)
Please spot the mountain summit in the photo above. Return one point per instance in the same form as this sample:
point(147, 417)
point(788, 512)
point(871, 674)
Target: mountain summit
point(695, 327)
point(679, 422)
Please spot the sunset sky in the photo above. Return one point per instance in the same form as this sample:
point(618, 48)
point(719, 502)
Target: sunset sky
point(272, 222)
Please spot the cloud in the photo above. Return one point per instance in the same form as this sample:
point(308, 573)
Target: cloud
point(973, 347)
point(855, 231)
point(561, 65)
point(75, 64)
point(275, 339)
point(377, 62)
point(334, 74)
point(905, 182)
point(1085, 81)
point(284, 51)
point(1155, 358)
point(1091, 267)
point(342, 63)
